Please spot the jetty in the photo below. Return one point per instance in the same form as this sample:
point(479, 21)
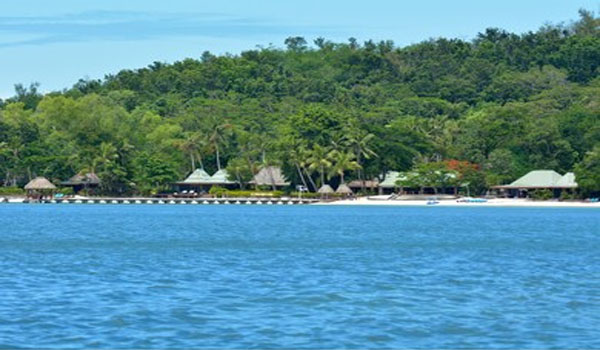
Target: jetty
point(189, 201)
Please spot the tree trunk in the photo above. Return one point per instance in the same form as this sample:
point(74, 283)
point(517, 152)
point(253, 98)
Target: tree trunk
point(200, 161)
point(312, 182)
point(240, 183)
point(322, 176)
point(193, 161)
point(359, 170)
point(301, 176)
point(218, 159)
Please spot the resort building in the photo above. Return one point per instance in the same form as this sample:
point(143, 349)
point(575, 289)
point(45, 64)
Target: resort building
point(539, 180)
point(39, 188)
point(270, 176)
point(200, 181)
point(88, 181)
point(221, 178)
point(392, 183)
point(389, 185)
point(368, 185)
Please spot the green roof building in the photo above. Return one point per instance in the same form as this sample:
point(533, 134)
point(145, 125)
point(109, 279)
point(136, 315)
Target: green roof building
point(539, 180)
point(197, 177)
point(221, 177)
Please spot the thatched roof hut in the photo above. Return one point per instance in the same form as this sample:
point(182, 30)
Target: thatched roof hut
point(344, 189)
point(325, 189)
point(364, 184)
point(40, 183)
point(270, 176)
point(88, 179)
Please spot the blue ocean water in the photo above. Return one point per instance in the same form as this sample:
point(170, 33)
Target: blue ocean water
point(168, 276)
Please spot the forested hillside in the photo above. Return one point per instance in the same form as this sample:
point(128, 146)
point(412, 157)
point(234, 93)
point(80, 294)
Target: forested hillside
point(505, 103)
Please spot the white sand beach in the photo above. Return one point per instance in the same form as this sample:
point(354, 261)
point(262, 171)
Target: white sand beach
point(498, 202)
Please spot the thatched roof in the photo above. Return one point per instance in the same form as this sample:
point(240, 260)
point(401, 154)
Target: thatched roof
point(366, 183)
point(40, 183)
point(344, 189)
point(270, 176)
point(325, 189)
point(85, 179)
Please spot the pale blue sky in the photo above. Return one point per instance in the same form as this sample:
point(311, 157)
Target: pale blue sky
point(57, 42)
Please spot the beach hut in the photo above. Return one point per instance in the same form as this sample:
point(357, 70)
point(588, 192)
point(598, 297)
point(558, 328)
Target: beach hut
point(270, 176)
point(325, 191)
point(539, 180)
point(221, 178)
point(199, 181)
point(389, 185)
point(39, 187)
point(344, 190)
point(82, 181)
point(370, 185)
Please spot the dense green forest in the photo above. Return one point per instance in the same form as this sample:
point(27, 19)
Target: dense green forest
point(501, 105)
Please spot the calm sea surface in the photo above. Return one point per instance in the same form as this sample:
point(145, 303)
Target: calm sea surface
point(183, 276)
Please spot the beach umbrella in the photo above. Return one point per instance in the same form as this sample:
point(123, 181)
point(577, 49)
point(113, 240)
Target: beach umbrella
point(325, 189)
point(343, 189)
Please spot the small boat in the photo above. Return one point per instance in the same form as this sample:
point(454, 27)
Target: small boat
point(432, 201)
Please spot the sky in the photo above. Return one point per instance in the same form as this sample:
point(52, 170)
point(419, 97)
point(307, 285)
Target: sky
point(58, 42)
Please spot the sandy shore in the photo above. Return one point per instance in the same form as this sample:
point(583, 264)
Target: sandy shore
point(500, 202)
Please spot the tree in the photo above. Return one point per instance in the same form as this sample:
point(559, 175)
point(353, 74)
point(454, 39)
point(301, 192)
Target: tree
point(320, 161)
point(360, 142)
point(108, 169)
point(193, 145)
point(341, 162)
point(587, 173)
point(218, 134)
point(295, 43)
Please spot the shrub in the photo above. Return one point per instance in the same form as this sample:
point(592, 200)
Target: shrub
point(566, 195)
point(11, 191)
point(217, 191)
point(542, 194)
point(243, 193)
point(67, 191)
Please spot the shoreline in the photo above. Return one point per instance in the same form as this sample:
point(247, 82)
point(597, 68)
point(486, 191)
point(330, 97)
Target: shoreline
point(361, 201)
point(499, 202)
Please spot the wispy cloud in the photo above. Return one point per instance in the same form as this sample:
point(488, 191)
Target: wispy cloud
point(127, 25)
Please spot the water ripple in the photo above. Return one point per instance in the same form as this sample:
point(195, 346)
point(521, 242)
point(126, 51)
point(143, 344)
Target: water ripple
point(298, 277)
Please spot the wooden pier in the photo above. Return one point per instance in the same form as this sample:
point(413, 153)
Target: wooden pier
point(189, 201)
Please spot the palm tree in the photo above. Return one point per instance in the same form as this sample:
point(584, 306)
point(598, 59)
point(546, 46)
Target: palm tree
point(111, 171)
point(193, 144)
point(319, 161)
point(343, 161)
point(296, 153)
point(218, 136)
point(360, 141)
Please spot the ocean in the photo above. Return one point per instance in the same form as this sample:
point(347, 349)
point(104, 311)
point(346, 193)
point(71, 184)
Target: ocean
point(242, 276)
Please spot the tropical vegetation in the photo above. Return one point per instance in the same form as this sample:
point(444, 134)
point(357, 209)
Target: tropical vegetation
point(325, 112)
